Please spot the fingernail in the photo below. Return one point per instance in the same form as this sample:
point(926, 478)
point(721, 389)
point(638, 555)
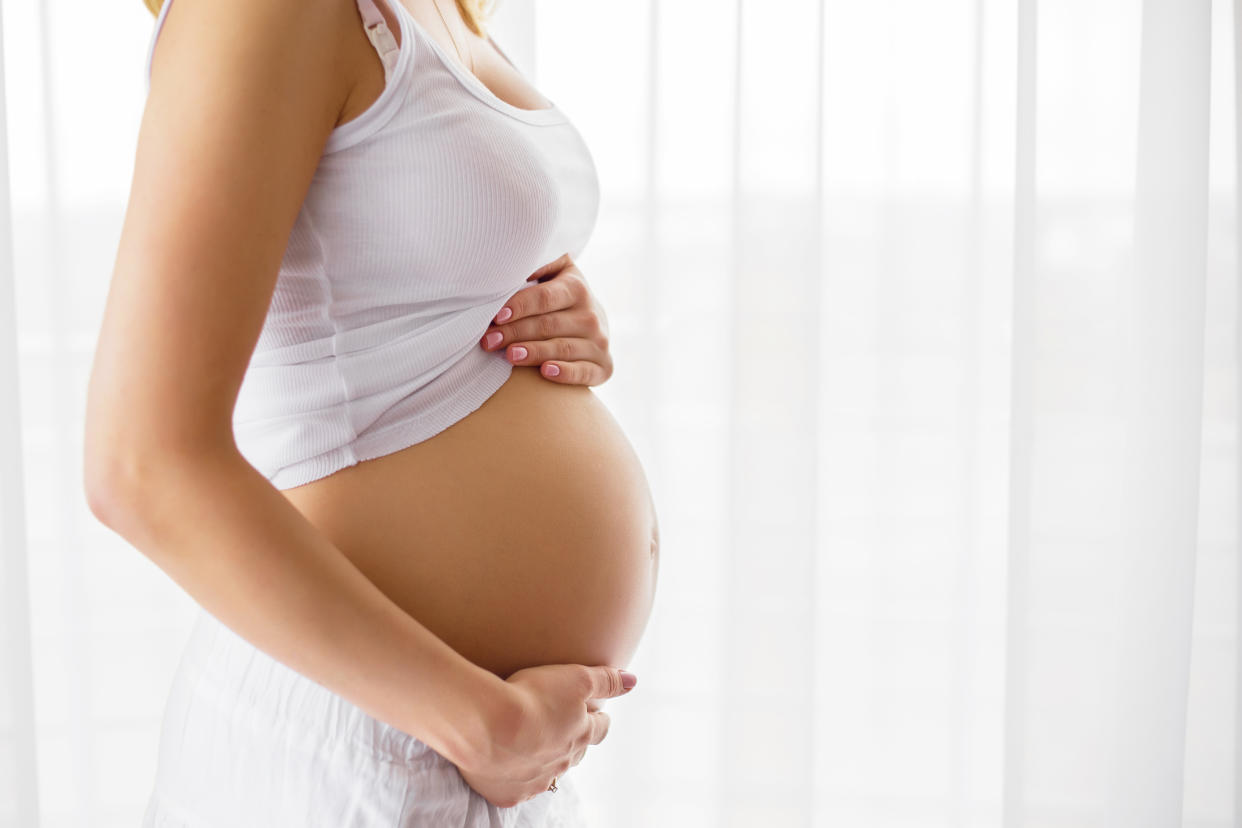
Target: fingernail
point(493, 339)
point(518, 352)
point(504, 314)
point(628, 680)
point(552, 370)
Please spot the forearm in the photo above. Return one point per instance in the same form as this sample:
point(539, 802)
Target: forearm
point(230, 539)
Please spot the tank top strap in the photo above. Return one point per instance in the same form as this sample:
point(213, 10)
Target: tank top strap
point(379, 34)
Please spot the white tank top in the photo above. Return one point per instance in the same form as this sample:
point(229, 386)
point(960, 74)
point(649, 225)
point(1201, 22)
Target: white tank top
point(425, 214)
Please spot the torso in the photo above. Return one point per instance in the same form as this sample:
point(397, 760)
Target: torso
point(523, 534)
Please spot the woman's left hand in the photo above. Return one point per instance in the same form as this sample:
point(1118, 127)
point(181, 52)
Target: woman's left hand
point(556, 325)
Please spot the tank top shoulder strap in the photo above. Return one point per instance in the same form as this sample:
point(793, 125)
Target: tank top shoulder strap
point(379, 34)
point(155, 33)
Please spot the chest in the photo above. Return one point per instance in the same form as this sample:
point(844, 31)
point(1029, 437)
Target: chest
point(475, 53)
point(457, 194)
point(452, 201)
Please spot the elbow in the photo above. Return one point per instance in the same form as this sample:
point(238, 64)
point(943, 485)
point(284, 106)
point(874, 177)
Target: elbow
point(138, 488)
point(136, 475)
point(118, 464)
point(98, 491)
point(105, 481)
point(134, 492)
point(97, 479)
point(100, 481)
point(110, 481)
point(122, 478)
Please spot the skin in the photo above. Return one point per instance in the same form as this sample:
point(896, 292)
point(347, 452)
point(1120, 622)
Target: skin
point(221, 169)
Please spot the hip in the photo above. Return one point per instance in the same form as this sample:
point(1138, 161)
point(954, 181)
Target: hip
point(247, 741)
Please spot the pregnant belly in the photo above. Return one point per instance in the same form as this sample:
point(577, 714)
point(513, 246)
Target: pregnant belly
point(524, 534)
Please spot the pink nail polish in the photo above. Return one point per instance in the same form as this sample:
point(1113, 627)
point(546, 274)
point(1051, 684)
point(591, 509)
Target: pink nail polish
point(518, 352)
point(504, 314)
point(493, 338)
point(552, 370)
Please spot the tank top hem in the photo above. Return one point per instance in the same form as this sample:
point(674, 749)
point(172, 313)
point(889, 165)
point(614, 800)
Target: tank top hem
point(475, 379)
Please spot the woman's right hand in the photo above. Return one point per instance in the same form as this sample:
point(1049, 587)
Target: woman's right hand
point(546, 730)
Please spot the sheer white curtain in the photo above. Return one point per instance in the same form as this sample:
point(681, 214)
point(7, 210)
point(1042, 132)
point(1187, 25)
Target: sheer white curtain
point(925, 317)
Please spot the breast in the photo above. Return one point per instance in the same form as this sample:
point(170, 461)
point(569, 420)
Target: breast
point(449, 205)
point(523, 534)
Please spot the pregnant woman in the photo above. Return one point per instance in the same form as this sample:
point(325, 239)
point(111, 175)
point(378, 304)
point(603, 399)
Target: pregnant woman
point(326, 402)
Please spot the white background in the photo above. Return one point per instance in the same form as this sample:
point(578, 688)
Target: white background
point(928, 343)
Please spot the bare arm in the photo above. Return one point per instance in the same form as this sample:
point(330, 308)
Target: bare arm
point(243, 96)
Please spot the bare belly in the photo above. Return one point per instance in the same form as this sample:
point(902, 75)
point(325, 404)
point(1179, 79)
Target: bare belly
point(524, 534)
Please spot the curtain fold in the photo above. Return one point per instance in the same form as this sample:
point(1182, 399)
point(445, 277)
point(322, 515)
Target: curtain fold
point(1236, 30)
point(18, 771)
point(1163, 337)
point(1096, 698)
point(766, 766)
point(925, 321)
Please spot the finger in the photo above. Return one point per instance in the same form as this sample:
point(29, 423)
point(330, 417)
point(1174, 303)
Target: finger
point(580, 372)
point(563, 348)
point(605, 682)
point(552, 295)
point(569, 271)
point(600, 722)
point(552, 267)
point(571, 322)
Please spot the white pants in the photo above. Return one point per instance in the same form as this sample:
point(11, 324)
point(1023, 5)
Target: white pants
point(247, 741)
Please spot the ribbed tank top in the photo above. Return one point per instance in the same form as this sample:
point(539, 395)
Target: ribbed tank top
point(426, 212)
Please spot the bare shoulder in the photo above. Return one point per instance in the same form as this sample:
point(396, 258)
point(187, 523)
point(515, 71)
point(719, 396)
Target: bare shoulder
point(271, 41)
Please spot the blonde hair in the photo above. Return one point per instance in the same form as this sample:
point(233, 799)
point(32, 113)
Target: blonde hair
point(474, 12)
